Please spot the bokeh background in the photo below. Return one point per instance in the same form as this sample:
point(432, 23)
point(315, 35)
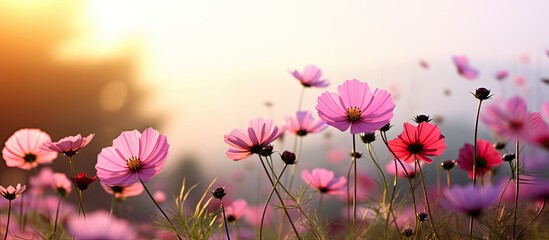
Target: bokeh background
point(197, 69)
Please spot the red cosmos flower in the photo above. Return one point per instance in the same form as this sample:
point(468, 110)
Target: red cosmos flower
point(487, 158)
point(418, 142)
point(82, 181)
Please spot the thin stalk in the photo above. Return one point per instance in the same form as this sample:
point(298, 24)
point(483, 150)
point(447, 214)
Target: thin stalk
point(235, 230)
point(354, 186)
point(112, 206)
point(517, 180)
point(269, 199)
point(534, 219)
point(385, 187)
point(159, 208)
point(412, 188)
point(225, 220)
point(349, 200)
point(78, 192)
point(56, 218)
point(471, 224)
point(475, 145)
point(426, 198)
point(448, 179)
point(279, 198)
point(8, 223)
point(500, 198)
point(301, 99)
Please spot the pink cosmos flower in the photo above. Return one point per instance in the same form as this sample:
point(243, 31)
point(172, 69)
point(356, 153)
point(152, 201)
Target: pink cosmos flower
point(409, 166)
point(41, 182)
point(100, 225)
point(469, 199)
point(512, 120)
point(464, 69)
point(501, 74)
point(133, 156)
point(354, 105)
point(123, 192)
point(259, 134)
point(310, 77)
point(324, 181)
point(68, 145)
point(541, 139)
point(61, 184)
point(519, 80)
point(22, 149)
point(303, 123)
point(236, 210)
point(487, 158)
point(11, 192)
point(418, 142)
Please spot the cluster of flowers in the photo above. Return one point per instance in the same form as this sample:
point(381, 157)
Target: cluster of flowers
point(421, 212)
point(367, 114)
point(133, 159)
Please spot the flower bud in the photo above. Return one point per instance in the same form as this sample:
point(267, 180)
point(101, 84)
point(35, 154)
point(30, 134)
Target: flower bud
point(422, 118)
point(368, 137)
point(448, 164)
point(288, 157)
point(508, 157)
point(219, 193)
point(482, 94)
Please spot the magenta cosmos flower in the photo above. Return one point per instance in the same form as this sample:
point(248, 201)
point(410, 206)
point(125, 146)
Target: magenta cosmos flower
point(11, 192)
point(487, 158)
point(303, 123)
point(354, 105)
point(100, 225)
point(464, 69)
point(512, 120)
point(501, 74)
point(324, 181)
point(469, 199)
point(22, 149)
point(68, 145)
point(133, 156)
point(246, 142)
point(418, 142)
point(310, 77)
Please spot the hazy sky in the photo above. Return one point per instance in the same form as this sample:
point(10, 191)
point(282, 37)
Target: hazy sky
point(213, 64)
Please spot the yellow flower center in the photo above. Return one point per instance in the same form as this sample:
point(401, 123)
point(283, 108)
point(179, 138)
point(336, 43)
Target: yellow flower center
point(353, 114)
point(134, 164)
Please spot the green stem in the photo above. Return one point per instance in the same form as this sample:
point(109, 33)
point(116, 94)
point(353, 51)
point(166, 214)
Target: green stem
point(159, 208)
point(517, 180)
point(426, 198)
point(78, 192)
point(56, 218)
point(354, 185)
point(268, 200)
point(385, 187)
point(8, 223)
point(225, 221)
point(279, 198)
